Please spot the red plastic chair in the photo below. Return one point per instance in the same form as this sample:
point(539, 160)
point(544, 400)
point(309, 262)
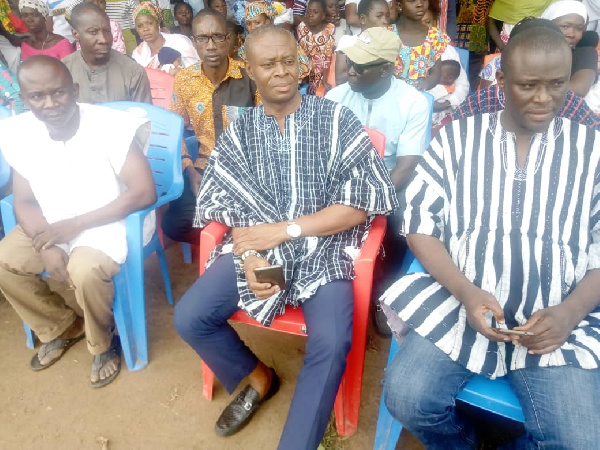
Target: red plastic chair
point(161, 87)
point(347, 402)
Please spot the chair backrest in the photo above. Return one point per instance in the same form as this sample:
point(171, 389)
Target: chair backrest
point(161, 87)
point(4, 167)
point(463, 54)
point(378, 140)
point(429, 98)
point(4, 112)
point(164, 150)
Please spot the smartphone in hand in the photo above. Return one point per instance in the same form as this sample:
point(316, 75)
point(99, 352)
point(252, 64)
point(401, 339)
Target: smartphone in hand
point(272, 274)
point(513, 332)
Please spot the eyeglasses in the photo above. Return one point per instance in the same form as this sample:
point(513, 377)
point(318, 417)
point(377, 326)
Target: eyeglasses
point(360, 68)
point(203, 38)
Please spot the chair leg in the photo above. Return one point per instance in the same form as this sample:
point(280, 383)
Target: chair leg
point(388, 429)
point(186, 248)
point(124, 321)
point(208, 379)
point(164, 270)
point(30, 339)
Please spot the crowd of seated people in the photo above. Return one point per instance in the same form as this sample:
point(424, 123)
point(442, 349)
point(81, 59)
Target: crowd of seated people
point(495, 189)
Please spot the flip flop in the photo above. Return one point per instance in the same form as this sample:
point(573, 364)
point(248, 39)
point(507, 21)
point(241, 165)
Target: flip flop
point(56, 344)
point(102, 359)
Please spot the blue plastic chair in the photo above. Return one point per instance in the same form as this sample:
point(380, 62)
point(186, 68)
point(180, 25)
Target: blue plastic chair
point(129, 307)
point(495, 396)
point(193, 147)
point(4, 167)
point(463, 54)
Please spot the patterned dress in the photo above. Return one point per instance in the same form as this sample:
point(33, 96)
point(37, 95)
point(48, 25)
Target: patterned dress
point(319, 48)
point(413, 63)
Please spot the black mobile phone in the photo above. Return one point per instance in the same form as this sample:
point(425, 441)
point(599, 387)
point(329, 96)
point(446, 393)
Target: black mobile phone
point(513, 332)
point(271, 274)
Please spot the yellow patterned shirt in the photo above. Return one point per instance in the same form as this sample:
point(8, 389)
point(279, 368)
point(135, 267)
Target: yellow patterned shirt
point(208, 108)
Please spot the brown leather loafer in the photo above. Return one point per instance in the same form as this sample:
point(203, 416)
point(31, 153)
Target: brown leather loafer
point(239, 412)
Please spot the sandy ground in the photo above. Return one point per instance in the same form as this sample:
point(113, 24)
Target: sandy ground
point(160, 407)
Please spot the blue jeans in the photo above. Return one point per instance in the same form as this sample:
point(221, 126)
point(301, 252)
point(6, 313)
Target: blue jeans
point(560, 404)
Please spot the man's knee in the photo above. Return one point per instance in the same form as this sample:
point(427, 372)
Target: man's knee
point(330, 344)
point(88, 266)
point(17, 254)
point(192, 318)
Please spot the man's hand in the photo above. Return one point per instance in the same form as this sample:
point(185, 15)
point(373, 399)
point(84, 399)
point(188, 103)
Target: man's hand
point(478, 302)
point(551, 326)
point(262, 290)
point(195, 178)
point(260, 237)
point(55, 262)
point(57, 233)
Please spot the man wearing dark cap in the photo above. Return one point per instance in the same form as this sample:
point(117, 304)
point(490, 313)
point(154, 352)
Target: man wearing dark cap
point(503, 212)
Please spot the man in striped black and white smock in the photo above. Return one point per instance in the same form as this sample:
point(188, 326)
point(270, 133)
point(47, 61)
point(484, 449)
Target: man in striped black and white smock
point(504, 214)
point(298, 181)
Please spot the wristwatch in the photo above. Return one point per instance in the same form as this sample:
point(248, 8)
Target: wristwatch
point(293, 230)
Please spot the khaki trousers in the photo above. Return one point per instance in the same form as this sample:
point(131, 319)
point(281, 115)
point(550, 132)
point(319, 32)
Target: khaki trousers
point(43, 308)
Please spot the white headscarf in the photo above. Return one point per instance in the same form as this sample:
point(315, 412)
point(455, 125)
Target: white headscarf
point(564, 8)
point(39, 5)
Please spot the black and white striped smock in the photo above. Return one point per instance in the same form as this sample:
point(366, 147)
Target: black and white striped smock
point(527, 235)
point(257, 174)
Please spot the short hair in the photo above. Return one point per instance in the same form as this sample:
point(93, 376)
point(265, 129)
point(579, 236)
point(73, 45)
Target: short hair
point(81, 9)
point(208, 12)
point(265, 29)
point(320, 2)
point(180, 4)
point(540, 39)
point(43, 60)
point(455, 65)
point(235, 27)
point(365, 6)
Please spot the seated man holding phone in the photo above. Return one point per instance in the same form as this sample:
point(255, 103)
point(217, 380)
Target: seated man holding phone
point(299, 181)
point(503, 212)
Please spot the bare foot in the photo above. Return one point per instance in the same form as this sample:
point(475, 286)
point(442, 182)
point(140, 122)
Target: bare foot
point(106, 365)
point(260, 379)
point(74, 331)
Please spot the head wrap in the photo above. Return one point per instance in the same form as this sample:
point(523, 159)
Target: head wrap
point(564, 8)
point(149, 9)
point(39, 5)
point(255, 9)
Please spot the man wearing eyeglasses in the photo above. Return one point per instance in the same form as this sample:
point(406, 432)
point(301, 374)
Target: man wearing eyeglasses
point(397, 110)
point(208, 95)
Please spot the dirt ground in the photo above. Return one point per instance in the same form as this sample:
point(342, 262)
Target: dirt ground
point(160, 407)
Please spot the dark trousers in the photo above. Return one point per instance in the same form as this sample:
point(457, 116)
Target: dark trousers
point(201, 320)
point(178, 221)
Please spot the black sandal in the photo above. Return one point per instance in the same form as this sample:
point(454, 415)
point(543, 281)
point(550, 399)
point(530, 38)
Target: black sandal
point(56, 344)
point(100, 360)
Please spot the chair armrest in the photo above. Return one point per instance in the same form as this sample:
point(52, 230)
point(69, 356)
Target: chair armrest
point(211, 236)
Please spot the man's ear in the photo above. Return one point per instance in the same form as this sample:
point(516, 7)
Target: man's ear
point(75, 34)
point(249, 69)
point(386, 69)
point(500, 79)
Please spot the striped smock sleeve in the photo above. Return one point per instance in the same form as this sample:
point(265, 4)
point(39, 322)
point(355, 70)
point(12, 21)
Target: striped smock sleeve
point(594, 250)
point(364, 182)
point(426, 194)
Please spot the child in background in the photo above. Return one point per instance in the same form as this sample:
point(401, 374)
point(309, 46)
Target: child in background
point(450, 71)
point(234, 31)
point(332, 15)
point(316, 38)
point(169, 60)
point(430, 19)
point(183, 14)
point(217, 5)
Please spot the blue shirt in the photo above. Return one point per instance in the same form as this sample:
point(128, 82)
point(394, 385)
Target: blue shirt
point(401, 114)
